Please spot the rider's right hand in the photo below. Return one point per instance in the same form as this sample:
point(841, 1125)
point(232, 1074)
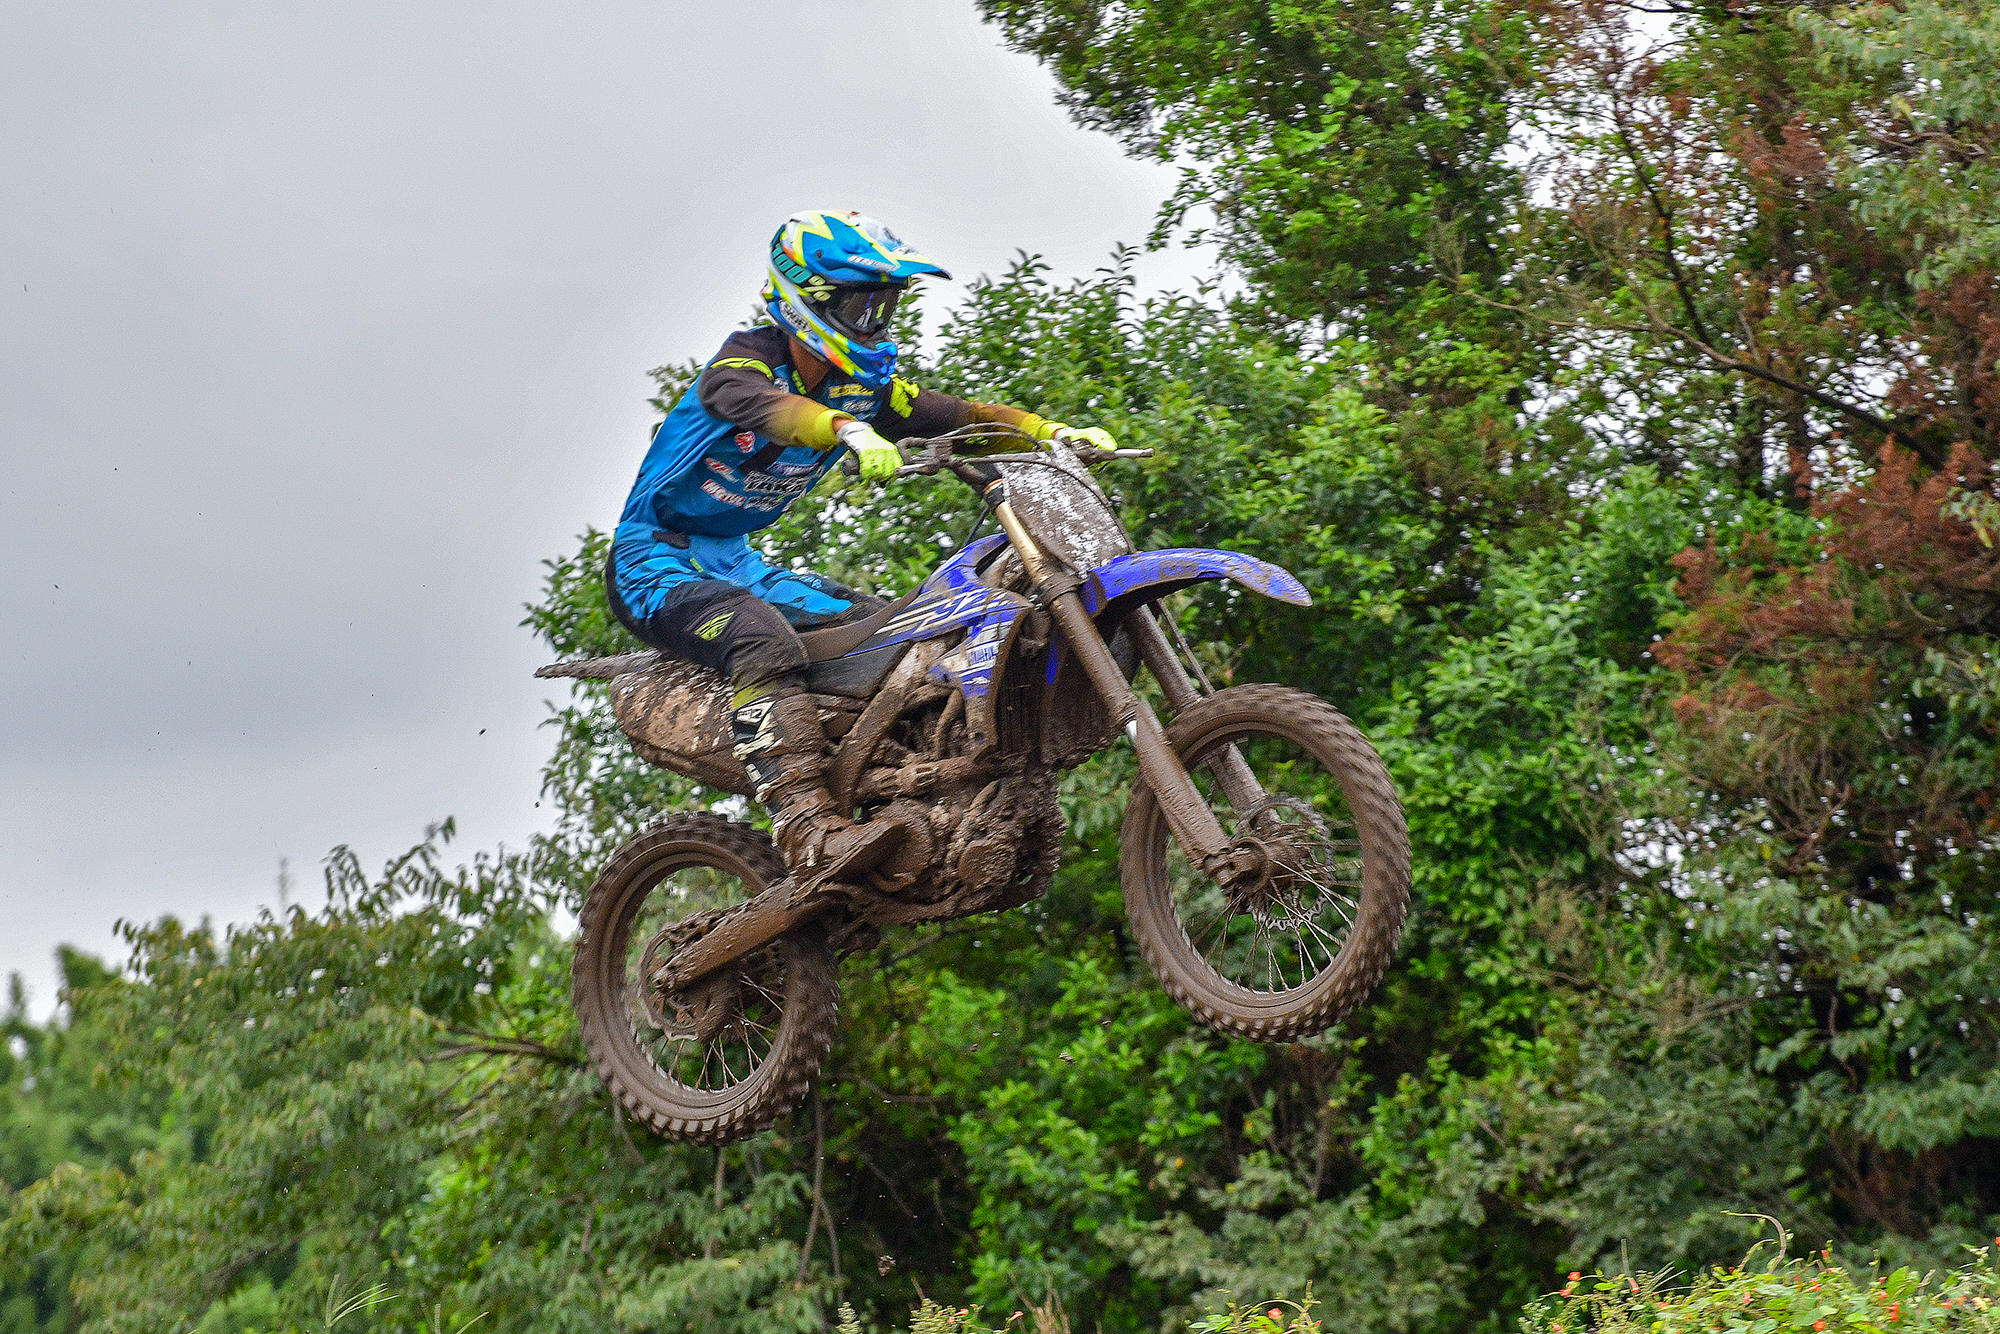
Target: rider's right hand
point(878, 458)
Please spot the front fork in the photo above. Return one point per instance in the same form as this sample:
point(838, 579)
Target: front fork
point(1187, 814)
point(1232, 771)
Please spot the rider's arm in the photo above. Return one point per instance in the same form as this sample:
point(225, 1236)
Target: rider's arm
point(736, 387)
point(911, 411)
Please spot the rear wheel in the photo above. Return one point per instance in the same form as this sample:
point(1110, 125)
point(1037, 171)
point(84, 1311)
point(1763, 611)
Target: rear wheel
point(1301, 926)
point(724, 1058)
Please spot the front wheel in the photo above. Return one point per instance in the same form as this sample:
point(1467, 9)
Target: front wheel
point(1300, 927)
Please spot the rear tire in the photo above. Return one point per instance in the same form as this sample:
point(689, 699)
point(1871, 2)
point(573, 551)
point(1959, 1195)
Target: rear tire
point(1162, 889)
point(653, 1070)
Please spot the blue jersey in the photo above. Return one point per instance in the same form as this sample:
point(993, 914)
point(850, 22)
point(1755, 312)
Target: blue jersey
point(745, 441)
point(748, 438)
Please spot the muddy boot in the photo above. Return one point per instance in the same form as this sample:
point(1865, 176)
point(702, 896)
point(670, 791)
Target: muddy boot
point(779, 740)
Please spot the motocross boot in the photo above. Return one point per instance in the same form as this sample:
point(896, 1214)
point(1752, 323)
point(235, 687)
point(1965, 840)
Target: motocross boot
point(779, 739)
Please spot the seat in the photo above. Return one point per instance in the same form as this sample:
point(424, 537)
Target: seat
point(835, 641)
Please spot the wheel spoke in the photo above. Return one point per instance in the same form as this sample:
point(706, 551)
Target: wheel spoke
point(756, 993)
point(1198, 927)
point(1328, 894)
point(1222, 921)
point(1332, 945)
point(1306, 840)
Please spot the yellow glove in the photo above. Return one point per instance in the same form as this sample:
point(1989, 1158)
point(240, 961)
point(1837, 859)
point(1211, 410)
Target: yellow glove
point(1096, 437)
point(878, 458)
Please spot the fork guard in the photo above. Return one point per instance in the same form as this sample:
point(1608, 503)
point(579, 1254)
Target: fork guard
point(1124, 582)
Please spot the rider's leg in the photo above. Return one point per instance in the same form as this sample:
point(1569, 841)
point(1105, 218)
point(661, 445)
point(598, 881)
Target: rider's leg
point(805, 598)
point(776, 725)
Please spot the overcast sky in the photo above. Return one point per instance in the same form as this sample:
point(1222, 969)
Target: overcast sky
point(322, 325)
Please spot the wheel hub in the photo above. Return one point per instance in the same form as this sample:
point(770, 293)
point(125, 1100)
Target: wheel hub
point(1268, 858)
point(701, 1011)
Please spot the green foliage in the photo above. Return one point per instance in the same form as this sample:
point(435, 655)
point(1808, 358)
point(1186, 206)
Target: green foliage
point(1270, 1317)
point(1557, 353)
point(1777, 1296)
point(1329, 140)
point(1924, 166)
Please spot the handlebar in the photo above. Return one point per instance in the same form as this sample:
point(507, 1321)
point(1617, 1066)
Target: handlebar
point(930, 455)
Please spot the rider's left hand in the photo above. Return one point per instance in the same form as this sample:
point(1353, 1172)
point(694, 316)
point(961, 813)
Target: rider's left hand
point(1096, 443)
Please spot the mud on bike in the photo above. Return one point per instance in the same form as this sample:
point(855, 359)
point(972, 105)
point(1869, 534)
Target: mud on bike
point(1263, 855)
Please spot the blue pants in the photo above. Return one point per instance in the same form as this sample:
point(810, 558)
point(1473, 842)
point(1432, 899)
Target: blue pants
point(717, 602)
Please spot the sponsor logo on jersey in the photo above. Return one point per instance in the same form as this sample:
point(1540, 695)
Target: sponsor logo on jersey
point(746, 441)
point(783, 469)
point(717, 491)
point(765, 484)
point(849, 390)
point(717, 465)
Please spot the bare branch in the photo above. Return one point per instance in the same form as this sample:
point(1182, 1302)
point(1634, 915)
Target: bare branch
point(1661, 212)
point(495, 1044)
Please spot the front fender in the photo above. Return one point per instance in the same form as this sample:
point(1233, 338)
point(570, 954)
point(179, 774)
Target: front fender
point(1143, 576)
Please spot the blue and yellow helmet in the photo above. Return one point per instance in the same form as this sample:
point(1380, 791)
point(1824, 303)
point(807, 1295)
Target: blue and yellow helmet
point(834, 282)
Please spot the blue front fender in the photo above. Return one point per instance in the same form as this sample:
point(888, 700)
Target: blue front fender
point(1154, 574)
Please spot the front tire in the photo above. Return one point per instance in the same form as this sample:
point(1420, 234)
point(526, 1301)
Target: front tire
point(1285, 954)
point(722, 1063)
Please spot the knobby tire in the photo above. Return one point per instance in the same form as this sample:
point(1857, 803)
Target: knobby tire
point(1313, 725)
point(598, 987)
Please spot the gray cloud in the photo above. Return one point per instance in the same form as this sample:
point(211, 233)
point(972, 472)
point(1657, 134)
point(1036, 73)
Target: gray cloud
point(323, 325)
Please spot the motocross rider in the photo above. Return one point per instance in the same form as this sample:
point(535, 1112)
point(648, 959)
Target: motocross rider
point(769, 415)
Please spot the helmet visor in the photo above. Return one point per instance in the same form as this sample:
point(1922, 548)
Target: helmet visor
point(863, 311)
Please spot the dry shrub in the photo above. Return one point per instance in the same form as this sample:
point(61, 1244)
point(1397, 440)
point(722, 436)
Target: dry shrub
point(1809, 689)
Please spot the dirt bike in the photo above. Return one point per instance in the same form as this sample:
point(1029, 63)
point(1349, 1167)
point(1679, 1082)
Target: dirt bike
point(1263, 855)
